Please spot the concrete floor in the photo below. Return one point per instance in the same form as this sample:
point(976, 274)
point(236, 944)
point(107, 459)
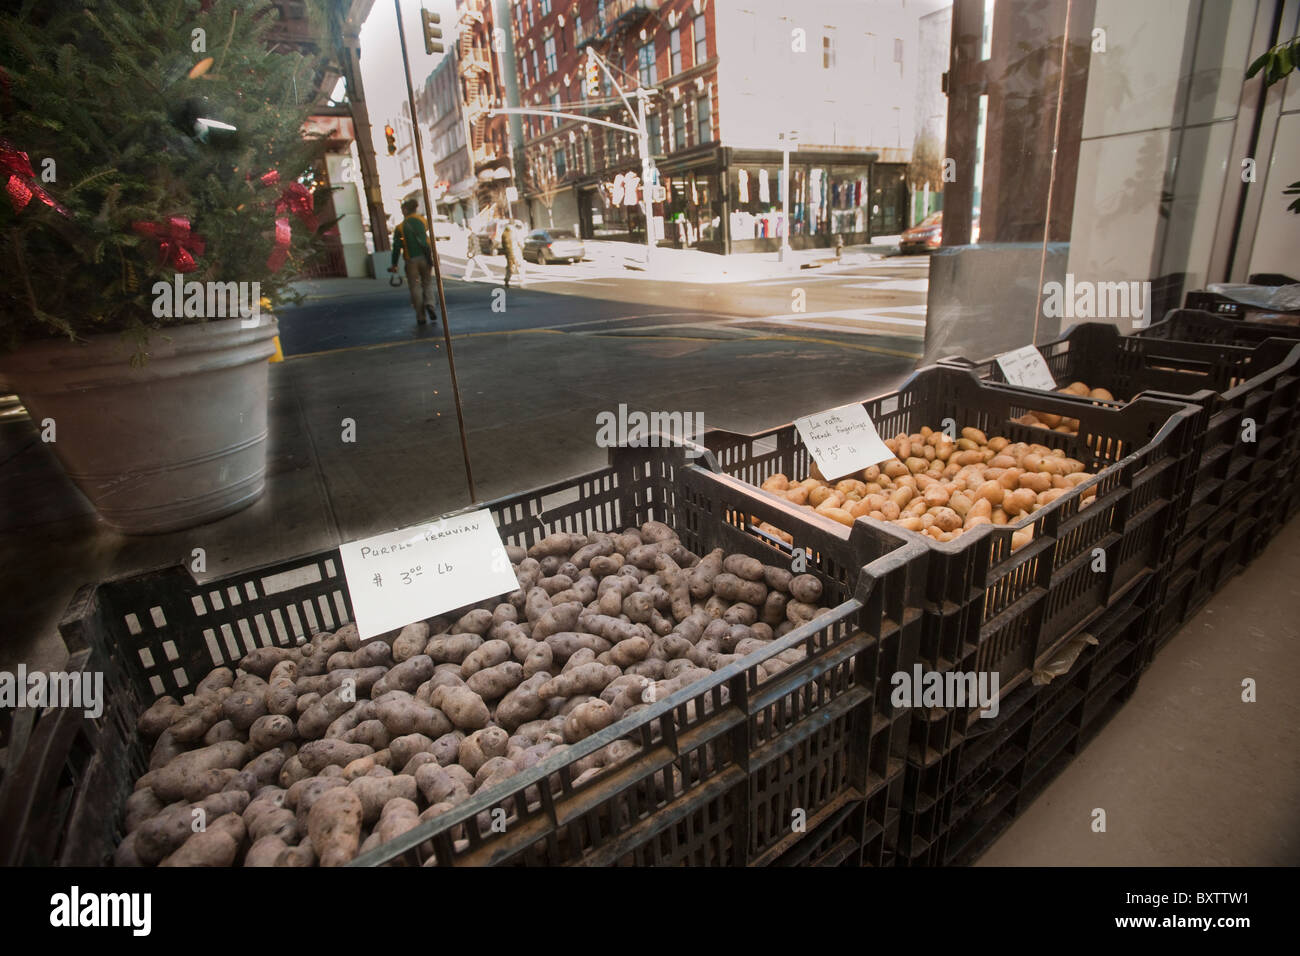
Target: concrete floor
point(1189, 774)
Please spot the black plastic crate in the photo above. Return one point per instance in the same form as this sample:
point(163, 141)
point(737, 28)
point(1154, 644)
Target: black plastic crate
point(851, 832)
point(1232, 371)
point(986, 607)
point(714, 784)
point(1037, 726)
point(1221, 306)
point(1198, 325)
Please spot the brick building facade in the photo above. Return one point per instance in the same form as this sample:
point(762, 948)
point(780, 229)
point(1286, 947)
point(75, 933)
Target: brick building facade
point(729, 77)
point(582, 176)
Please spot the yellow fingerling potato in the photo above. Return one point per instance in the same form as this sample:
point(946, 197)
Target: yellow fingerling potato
point(777, 482)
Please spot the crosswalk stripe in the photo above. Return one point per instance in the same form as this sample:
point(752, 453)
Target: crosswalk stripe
point(864, 321)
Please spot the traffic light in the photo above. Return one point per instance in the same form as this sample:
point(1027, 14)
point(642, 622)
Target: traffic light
point(593, 78)
point(432, 33)
point(392, 141)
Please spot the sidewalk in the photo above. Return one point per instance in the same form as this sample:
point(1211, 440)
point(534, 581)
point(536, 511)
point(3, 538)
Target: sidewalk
point(692, 265)
point(627, 259)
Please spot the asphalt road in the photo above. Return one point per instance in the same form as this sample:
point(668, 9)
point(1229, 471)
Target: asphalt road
point(876, 307)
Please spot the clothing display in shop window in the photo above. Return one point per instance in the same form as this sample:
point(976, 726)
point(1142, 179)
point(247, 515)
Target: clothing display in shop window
point(742, 177)
point(764, 189)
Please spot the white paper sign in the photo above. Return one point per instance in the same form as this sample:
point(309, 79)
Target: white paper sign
point(1026, 367)
point(842, 440)
point(423, 571)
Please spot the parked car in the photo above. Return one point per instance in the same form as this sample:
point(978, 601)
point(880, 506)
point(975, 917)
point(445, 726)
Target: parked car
point(489, 237)
point(554, 245)
point(927, 235)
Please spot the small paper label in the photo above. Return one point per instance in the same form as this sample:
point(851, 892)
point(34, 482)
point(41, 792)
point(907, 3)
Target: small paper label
point(889, 405)
point(423, 571)
point(842, 440)
point(1026, 367)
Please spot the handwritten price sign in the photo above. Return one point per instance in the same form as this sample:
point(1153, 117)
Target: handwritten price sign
point(423, 571)
point(842, 440)
point(1027, 368)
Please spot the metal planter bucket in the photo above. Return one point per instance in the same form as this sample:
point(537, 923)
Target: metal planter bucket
point(177, 442)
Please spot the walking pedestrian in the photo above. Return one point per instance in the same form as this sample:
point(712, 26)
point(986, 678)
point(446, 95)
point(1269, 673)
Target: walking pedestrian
point(411, 241)
point(514, 254)
point(472, 259)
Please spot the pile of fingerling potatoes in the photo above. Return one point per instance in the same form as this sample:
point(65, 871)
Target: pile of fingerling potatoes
point(942, 487)
point(314, 754)
point(1061, 423)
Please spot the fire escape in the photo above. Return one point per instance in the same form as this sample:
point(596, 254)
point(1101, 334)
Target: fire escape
point(620, 16)
point(476, 73)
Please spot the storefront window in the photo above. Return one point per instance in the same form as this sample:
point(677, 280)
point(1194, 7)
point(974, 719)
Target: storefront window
point(849, 198)
point(693, 210)
point(756, 202)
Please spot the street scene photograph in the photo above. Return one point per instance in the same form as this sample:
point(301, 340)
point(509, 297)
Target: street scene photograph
point(651, 433)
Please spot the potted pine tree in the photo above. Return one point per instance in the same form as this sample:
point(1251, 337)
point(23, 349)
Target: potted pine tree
point(157, 206)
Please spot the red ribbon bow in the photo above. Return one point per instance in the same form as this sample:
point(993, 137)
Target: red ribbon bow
point(295, 199)
point(20, 179)
point(175, 244)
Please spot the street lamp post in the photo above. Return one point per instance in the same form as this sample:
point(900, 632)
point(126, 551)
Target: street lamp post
point(643, 144)
point(786, 139)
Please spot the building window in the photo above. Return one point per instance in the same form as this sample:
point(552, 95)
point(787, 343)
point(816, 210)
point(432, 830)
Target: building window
point(675, 52)
point(550, 55)
point(656, 135)
point(528, 9)
point(609, 147)
point(898, 54)
point(700, 32)
point(537, 68)
point(704, 119)
point(600, 13)
point(590, 166)
point(546, 8)
point(561, 164)
point(555, 105)
point(646, 64)
point(828, 51)
point(679, 126)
